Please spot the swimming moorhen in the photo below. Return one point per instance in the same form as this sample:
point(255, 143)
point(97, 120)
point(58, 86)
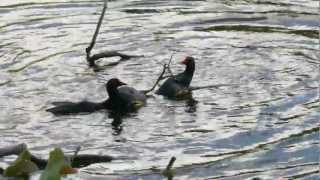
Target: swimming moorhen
point(177, 86)
point(121, 99)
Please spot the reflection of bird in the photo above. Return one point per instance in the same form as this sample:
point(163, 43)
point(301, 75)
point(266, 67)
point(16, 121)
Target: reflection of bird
point(177, 86)
point(121, 99)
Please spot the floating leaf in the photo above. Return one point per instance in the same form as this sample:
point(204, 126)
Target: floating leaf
point(22, 166)
point(56, 166)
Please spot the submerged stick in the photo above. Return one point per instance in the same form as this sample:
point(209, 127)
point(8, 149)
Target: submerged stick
point(172, 160)
point(96, 32)
point(12, 150)
point(91, 59)
point(168, 172)
point(75, 154)
point(81, 160)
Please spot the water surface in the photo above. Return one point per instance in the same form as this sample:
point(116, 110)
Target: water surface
point(265, 125)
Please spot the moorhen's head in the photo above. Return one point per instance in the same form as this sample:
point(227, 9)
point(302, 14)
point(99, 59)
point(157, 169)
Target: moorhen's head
point(113, 84)
point(189, 62)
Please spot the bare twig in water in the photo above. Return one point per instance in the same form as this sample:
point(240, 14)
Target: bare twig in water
point(168, 66)
point(16, 149)
point(95, 35)
point(81, 160)
point(157, 81)
point(91, 59)
point(172, 160)
point(75, 154)
point(168, 172)
point(161, 76)
point(110, 54)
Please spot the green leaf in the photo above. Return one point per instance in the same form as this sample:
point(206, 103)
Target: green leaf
point(56, 166)
point(22, 166)
point(55, 163)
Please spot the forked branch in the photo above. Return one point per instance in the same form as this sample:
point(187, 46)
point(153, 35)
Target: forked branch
point(161, 76)
point(95, 35)
point(91, 59)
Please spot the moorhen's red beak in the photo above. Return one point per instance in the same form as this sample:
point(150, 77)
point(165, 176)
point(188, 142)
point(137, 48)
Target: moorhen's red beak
point(184, 61)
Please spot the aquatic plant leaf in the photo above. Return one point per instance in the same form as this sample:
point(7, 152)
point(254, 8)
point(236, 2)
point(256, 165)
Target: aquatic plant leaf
point(22, 166)
point(56, 166)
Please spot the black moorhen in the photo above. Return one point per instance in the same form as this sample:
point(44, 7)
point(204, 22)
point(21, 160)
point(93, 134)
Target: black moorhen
point(177, 86)
point(121, 99)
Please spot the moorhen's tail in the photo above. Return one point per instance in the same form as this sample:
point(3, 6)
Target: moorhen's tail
point(65, 108)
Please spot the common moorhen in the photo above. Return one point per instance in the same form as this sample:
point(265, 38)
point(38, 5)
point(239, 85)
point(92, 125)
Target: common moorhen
point(121, 99)
point(177, 86)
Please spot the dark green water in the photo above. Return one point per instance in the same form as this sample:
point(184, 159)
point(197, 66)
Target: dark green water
point(266, 125)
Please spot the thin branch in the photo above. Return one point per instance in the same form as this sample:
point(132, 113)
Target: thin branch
point(91, 59)
point(158, 80)
point(161, 76)
point(172, 160)
point(95, 35)
point(16, 149)
point(168, 172)
point(168, 66)
point(111, 54)
point(83, 160)
point(75, 153)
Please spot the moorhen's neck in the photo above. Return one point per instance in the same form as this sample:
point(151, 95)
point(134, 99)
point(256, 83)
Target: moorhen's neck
point(190, 68)
point(112, 92)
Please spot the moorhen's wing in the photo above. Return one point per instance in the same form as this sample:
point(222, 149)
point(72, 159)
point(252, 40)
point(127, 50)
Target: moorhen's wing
point(133, 98)
point(170, 88)
point(184, 79)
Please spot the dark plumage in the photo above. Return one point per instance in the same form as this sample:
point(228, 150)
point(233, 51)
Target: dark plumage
point(62, 108)
point(121, 99)
point(124, 98)
point(177, 86)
